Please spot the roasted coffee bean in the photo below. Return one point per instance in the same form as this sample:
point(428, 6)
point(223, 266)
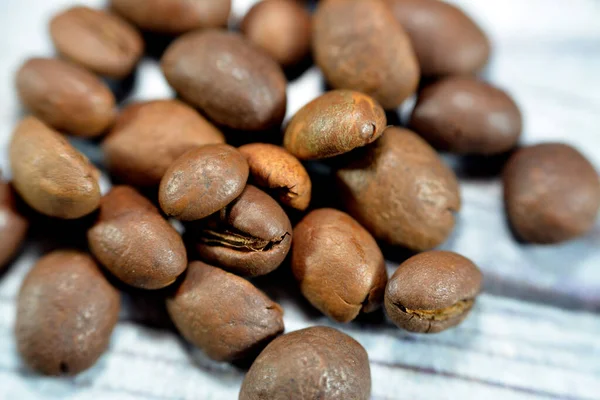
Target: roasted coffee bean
point(50, 175)
point(66, 96)
point(338, 264)
point(312, 363)
point(334, 123)
point(129, 221)
point(203, 181)
point(360, 46)
point(13, 226)
point(174, 16)
point(432, 291)
point(445, 39)
point(149, 136)
point(104, 43)
point(251, 236)
point(280, 173)
point(466, 115)
point(552, 193)
point(66, 311)
point(223, 314)
point(235, 83)
point(401, 191)
point(281, 27)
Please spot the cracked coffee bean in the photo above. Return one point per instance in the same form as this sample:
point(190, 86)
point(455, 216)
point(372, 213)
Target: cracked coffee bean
point(66, 96)
point(165, 129)
point(203, 181)
point(223, 314)
point(66, 312)
point(251, 236)
point(51, 175)
point(127, 222)
point(401, 191)
point(280, 173)
point(432, 291)
point(334, 123)
point(102, 42)
point(13, 225)
point(338, 264)
point(551, 192)
point(312, 363)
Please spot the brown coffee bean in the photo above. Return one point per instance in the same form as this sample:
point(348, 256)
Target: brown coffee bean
point(401, 191)
point(164, 129)
point(203, 181)
point(466, 115)
point(233, 82)
point(280, 173)
point(129, 221)
point(360, 46)
point(251, 236)
point(66, 312)
point(551, 192)
point(445, 39)
point(432, 291)
point(103, 43)
point(174, 16)
point(281, 27)
point(338, 264)
point(223, 314)
point(13, 226)
point(334, 123)
point(66, 96)
point(312, 363)
point(52, 176)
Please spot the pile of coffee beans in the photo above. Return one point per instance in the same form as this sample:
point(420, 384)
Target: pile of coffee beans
point(246, 209)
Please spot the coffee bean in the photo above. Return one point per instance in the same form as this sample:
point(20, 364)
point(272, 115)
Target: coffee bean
point(203, 181)
point(164, 129)
point(251, 236)
point(281, 27)
point(445, 39)
point(50, 175)
point(223, 314)
point(174, 16)
point(312, 363)
point(66, 96)
point(338, 264)
point(334, 123)
point(13, 226)
point(280, 173)
point(360, 46)
point(233, 82)
point(129, 221)
point(66, 311)
point(432, 291)
point(466, 115)
point(401, 191)
point(551, 192)
point(104, 43)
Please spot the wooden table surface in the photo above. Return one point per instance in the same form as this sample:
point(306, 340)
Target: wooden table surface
point(535, 332)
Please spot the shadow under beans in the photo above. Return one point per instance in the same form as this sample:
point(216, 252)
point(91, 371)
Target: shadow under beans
point(238, 137)
point(146, 307)
point(226, 372)
point(294, 72)
point(122, 88)
point(156, 44)
point(55, 233)
point(478, 166)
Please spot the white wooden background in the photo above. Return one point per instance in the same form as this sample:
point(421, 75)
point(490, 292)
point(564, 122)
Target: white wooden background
point(538, 344)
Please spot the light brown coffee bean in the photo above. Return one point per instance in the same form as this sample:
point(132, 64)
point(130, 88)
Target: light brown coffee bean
point(66, 312)
point(338, 264)
point(129, 221)
point(360, 46)
point(102, 42)
point(432, 291)
point(223, 314)
point(401, 191)
point(50, 174)
point(164, 129)
point(235, 83)
point(13, 225)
